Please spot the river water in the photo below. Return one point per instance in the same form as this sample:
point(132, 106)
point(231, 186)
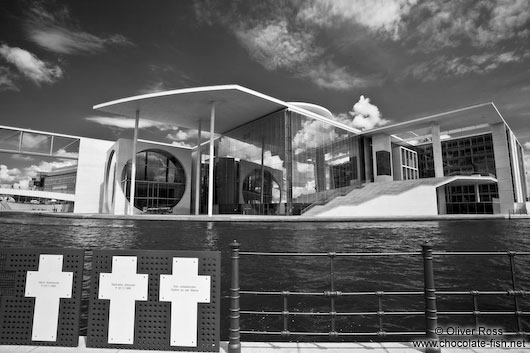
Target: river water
point(403, 273)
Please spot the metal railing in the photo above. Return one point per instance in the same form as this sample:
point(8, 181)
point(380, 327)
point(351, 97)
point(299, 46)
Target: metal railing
point(429, 294)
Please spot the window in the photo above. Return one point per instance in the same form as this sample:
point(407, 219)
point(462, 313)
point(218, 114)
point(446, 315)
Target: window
point(160, 181)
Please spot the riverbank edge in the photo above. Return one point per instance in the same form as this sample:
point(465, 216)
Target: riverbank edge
point(274, 219)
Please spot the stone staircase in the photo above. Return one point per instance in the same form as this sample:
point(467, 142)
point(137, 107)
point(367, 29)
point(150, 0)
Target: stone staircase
point(370, 191)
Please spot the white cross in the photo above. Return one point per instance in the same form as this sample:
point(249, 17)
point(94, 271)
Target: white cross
point(48, 285)
point(123, 287)
point(184, 289)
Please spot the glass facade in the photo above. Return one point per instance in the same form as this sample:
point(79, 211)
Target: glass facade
point(283, 163)
point(160, 181)
point(465, 156)
point(474, 199)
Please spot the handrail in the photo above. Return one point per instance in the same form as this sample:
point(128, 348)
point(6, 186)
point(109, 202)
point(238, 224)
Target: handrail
point(429, 294)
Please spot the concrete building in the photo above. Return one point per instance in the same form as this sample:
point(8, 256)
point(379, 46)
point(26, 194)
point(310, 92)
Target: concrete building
point(266, 156)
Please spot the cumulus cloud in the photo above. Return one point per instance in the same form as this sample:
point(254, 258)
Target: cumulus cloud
point(312, 134)
point(8, 176)
point(363, 116)
point(30, 66)
point(46, 166)
point(58, 32)
point(128, 123)
point(527, 145)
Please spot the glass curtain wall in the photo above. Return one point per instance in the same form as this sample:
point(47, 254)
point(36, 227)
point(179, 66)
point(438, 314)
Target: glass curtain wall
point(326, 162)
point(283, 163)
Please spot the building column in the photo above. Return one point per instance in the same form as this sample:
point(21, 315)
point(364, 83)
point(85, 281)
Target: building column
point(133, 164)
point(211, 164)
point(288, 152)
point(503, 167)
point(437, 152)
point(198, 172)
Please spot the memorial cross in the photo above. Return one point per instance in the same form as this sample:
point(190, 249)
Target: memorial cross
point(123, 287)
point(48, 285)
point(184, 289)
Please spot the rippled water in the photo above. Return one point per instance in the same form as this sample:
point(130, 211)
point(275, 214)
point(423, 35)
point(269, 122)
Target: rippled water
point(312, 274)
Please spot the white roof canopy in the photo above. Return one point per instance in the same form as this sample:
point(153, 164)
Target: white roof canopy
point(234, 106)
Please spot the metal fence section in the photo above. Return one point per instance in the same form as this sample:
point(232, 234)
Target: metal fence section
point(429, 296)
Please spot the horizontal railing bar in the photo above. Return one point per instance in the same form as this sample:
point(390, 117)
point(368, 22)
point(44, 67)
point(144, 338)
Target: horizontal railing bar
point(333, 254)
point(441, 253)
point(506, 313)
point(477, 292)
point(404, 253)
point(385, 293)
point(298, 333)
point(305, 313)
point(342, 294)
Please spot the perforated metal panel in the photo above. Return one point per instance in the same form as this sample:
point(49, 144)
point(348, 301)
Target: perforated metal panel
point(16, 310)
point(153, 317)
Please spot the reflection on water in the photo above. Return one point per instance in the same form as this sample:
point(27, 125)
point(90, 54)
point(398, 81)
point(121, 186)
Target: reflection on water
point(312, 274)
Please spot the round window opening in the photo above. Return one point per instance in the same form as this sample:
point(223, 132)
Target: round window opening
point(160, 181)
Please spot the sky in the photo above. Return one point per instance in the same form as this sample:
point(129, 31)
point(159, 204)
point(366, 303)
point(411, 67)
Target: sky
point(373, 62)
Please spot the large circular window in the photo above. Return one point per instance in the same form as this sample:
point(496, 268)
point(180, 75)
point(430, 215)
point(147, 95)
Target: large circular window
point(160, 181)
point(257, 190)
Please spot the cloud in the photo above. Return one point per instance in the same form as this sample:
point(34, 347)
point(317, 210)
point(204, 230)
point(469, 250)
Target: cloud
point(459, 66)
point(363, 116)
point(8, 175)
point(376, 15)
point(57, 32)
point(7, 80)
point(435, 25)
point(154, 87)
point(30, 66)
point(527, 145)
point(275, 39)
point(274, 46)
point(328, 75)
point(128, 123)
point(22, 157)
point(45, 166)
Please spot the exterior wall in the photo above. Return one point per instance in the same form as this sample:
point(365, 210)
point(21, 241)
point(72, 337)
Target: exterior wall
point(117, 203)
point(420, 201)
point(437, 152)
point(518, 177)
point(503, 167)
point(380, 144)
point(90, 175)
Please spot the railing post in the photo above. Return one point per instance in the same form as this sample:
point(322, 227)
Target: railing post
point(431, 315)
point(234, 343)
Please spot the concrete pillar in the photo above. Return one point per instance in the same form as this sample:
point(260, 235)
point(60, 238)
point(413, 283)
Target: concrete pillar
point(437, 152)
point(198, 172)
point(133, 164)
point(382, 158)
point(212, 163)
point(503, 167)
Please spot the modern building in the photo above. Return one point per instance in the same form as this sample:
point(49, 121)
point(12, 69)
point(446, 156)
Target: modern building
point(266, 156)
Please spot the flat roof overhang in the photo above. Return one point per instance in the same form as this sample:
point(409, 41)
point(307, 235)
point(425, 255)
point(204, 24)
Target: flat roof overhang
point(464, 118)
point(234, 106)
